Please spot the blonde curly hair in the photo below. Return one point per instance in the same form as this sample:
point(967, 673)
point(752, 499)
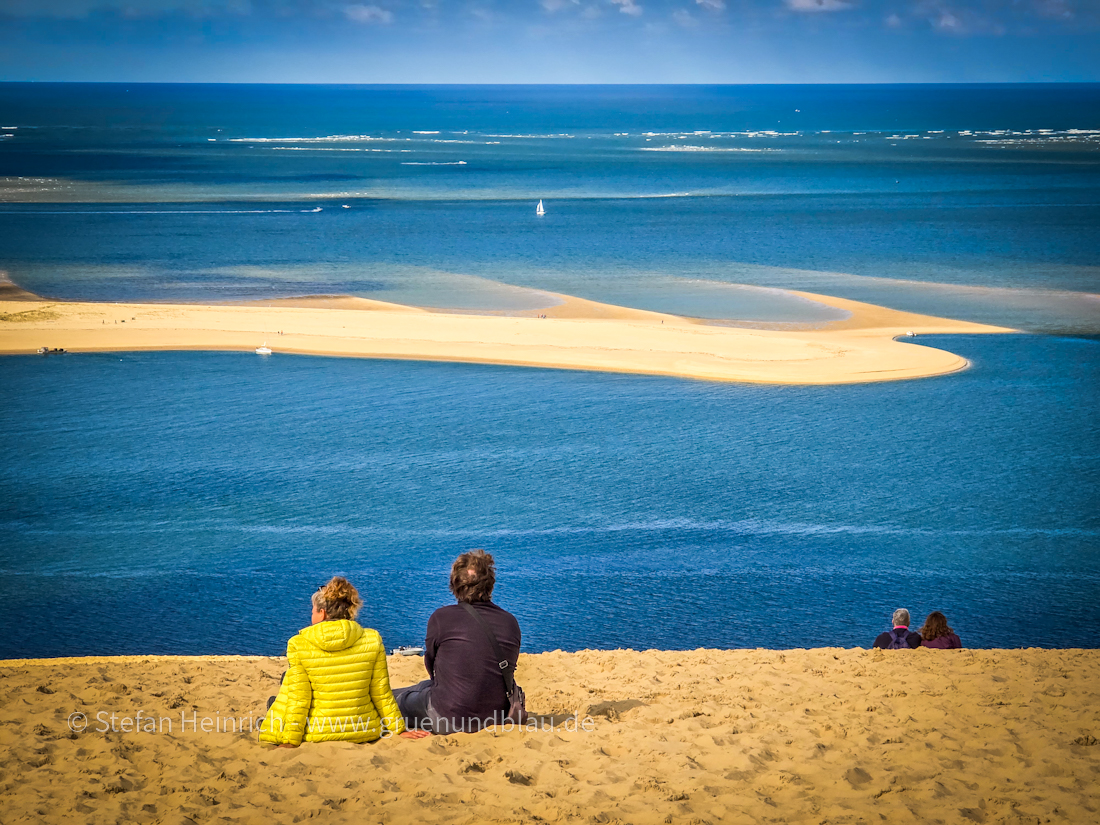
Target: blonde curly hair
point(338, 598)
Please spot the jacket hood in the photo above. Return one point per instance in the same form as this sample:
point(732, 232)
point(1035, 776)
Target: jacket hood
point(338, 634)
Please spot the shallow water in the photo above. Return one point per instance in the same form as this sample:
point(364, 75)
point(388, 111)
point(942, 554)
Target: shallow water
point(974, 202)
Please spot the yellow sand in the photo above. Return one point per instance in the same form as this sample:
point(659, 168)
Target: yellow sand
point(836, 736)
point(576, 334)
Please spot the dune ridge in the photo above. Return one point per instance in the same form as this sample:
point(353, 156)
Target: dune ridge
point(704, 736)
point(572, 334)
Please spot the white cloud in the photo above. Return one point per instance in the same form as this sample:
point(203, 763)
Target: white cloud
point(628, 7)
point(813, 6)
point(713, 5)
point(683, 17)
point(948, 22)
point(893, 21)
point(367, 14)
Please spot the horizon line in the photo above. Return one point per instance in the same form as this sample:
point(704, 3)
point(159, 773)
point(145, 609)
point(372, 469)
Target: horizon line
point(530, 85)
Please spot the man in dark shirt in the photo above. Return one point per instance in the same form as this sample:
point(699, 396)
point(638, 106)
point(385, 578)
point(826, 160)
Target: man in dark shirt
point(900, 636)
point(466, 690)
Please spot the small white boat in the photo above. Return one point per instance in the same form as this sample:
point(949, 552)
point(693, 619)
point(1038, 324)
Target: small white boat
point(264, 350)
point(540, 210)
point(408, 650)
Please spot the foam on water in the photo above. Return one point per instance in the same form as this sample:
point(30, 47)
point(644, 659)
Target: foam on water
point(333, 149)
point(687, 148)
point(325, 139)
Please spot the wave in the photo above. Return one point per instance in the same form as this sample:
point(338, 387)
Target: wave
point(689, 148)
point(433, 163)
point(661, 195)
point(470, 142)
point(333, 149)
point(530, 136)
point(747, 527)
point(1042, 140)
point(1008, 137)
point(325, 139)
point(751, 133)
point(928, 134)
point(1023, 132)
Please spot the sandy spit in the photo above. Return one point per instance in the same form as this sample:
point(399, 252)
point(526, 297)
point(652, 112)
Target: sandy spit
point(743, 736)
point(574, 334)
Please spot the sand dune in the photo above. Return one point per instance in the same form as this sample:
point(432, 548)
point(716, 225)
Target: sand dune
point(837, 736)
point(573, 334)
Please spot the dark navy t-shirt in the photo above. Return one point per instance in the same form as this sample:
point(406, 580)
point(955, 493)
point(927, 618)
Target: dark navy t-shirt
point(467, 685)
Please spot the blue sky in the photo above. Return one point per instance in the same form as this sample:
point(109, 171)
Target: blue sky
point(551, 41)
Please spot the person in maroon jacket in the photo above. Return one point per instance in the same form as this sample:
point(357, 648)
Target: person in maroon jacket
point(465, 691)
point(936, 633)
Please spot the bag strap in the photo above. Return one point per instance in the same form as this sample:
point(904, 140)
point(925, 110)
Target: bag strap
point(505, 666)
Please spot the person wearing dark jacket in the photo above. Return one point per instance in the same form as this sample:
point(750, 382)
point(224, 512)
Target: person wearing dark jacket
point(900, 637)
point(465, 691)
point(936, 633)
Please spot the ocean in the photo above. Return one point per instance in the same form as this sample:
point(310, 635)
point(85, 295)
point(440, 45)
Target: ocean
point(191, 502)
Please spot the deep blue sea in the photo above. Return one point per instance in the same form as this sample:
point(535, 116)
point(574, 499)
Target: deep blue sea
point(191, 502)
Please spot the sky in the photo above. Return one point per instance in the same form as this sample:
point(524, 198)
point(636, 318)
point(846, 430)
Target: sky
point(550, 41)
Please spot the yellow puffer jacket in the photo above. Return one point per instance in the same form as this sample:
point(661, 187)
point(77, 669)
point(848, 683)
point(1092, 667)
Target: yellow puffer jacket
point(337, 687)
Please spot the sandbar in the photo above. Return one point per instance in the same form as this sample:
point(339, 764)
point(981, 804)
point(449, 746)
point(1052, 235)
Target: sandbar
point(705, 736)
point(574, 334)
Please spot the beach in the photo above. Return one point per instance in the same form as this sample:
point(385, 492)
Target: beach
point(714, 450)
point(573, 334)
point(705, 736)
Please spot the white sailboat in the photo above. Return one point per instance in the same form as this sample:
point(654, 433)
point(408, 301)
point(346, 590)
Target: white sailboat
point(264, 350)
point(539, 210)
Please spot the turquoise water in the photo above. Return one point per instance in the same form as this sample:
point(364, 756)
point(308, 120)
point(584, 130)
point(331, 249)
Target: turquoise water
point(191, 502)
point(980, 202)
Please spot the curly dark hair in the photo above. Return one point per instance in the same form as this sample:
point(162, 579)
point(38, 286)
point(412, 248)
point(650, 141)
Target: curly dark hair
point(935, 626)
point(338, 598)
point(473, 576)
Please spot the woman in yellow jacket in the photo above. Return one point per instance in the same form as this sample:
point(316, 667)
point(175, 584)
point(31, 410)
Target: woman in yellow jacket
point(337, 686)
